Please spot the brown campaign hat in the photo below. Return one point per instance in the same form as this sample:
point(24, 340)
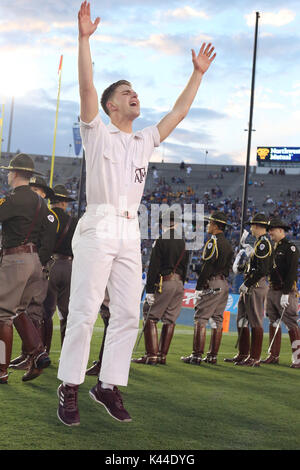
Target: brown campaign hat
point(39, 182)
point(276, 222)
point(61, 194)
point(260, 219)
point(217, 216)
point(22, 162)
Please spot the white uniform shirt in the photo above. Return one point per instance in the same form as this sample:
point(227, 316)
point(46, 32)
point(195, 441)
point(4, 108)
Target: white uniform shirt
point(116, 164)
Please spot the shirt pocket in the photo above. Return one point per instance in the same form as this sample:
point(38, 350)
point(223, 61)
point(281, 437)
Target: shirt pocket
point(109, 157)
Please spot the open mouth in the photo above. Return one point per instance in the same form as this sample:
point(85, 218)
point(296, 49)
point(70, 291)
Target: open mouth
point(134, 103)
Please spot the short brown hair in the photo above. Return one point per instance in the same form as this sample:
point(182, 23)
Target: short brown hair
point(25, 175)
point(108, 92)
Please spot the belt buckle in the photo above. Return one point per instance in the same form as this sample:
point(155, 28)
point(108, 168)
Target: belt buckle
point(126, 215)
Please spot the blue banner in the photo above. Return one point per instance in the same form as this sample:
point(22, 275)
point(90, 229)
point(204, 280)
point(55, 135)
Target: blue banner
point(278, 154)
point(77, 139)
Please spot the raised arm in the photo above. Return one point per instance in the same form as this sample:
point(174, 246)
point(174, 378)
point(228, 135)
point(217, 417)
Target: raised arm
point(89, 106)
point(201, 64)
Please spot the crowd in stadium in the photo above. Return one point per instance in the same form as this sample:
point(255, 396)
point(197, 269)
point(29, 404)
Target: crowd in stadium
point(178, 190)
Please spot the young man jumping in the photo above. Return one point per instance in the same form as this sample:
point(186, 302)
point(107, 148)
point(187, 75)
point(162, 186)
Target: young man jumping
point(106, 244)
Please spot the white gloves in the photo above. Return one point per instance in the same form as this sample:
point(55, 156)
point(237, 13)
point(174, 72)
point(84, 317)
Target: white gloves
point(284, 300)
point(198, 294)
point(244, 236)
point(235, 267)
point(150, 299)
point(243, 289)
point(248, 250)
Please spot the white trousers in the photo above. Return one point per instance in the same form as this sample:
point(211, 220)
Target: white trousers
point(107, 253)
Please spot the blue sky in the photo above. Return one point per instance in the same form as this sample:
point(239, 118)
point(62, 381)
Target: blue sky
point(149, 43)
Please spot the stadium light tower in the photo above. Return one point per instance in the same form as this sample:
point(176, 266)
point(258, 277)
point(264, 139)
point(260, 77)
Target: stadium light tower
point(250, 130)
point(206, 154)
point(10, 122)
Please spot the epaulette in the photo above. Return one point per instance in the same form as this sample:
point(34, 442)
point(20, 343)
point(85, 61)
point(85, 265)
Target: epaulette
point(2, 200)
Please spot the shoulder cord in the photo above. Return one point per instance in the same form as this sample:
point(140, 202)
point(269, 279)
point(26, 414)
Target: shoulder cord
point(215, 249)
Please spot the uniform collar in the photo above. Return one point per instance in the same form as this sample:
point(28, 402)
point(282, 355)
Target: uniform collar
point(21, 188)
point(261, 237)
point(58, 210)
point(112, 129)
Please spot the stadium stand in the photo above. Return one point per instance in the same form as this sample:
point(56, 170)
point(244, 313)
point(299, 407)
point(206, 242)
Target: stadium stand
point(215, 186)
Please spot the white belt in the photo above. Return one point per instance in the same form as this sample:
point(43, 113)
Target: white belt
point(126, 214)
point(103, 210)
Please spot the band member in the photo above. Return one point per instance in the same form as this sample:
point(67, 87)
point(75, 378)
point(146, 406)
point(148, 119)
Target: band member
point(35, 309)
point(167, 270)
point(60, 274)
point(216, 263)
point(25, 227)
point(253, 293)
point(282, 299)
point(106, 243)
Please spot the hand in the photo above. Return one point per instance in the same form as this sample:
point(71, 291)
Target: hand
point(248, 250)
point(243, 289)
point(203, 60)
point(284, 300)
point(244, 236)
point(236, 264)
point(150, 299)
point(85, 25)
point(198, 294)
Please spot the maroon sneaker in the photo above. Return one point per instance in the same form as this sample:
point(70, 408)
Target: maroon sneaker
point(112, 402)
point(68, 412)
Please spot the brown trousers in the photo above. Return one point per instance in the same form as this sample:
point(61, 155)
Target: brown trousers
point(35, 309)
point(58, 289)
point(274, 310)
point(251, 306)
point(168, 303)
point(20, 279)
point(212, 306)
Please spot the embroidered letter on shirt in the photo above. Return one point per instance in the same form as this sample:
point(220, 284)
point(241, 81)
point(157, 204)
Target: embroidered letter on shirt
point(140, 174)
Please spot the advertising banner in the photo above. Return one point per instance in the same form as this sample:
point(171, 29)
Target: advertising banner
point(77, 139)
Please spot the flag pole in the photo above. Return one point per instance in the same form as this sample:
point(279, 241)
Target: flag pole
point(1, 128)
point(250, 130)
point(55, 126)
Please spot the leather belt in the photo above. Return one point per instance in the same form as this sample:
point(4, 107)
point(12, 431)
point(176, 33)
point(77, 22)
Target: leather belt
point(275, 286)
point(20, 249)
point(59, 256)
point(172, 277)
point(218, 276)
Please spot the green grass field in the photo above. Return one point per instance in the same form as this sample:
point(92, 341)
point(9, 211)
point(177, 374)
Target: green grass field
point(174, 407)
